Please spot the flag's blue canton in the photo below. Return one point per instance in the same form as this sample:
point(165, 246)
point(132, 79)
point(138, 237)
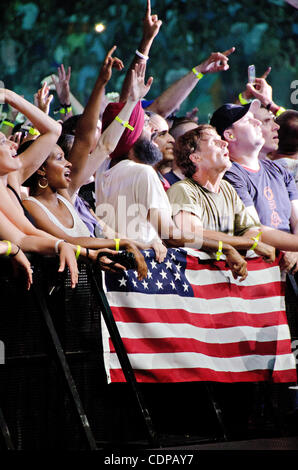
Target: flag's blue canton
point(167, 277)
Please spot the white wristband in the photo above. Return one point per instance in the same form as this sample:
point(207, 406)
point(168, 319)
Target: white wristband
point(142, 56)
point(57, 245)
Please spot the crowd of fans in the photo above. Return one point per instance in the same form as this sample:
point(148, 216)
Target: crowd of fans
point(129, 174)
point(125, 173)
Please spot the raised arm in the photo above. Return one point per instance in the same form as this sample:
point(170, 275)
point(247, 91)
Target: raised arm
point(87, 125)
point(9, 122)
point(43, 99)
point(63, 92)
point(262, 91)
point(172, 98)
point(49, 129)
point(112, 134)
point(151, 27)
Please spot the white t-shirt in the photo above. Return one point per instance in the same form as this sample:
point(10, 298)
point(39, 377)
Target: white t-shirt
point(124, 195)
point(79, 229)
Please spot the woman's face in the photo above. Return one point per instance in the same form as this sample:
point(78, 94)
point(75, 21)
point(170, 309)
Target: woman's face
point(9, 161)
point(57, 169)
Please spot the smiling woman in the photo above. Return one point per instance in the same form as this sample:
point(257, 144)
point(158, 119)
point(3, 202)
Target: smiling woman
point(53, 211)
point(45, 202)
point(8, 155)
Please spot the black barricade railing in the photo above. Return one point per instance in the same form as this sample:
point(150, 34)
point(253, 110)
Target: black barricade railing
point(47, 327)
point(53, 387)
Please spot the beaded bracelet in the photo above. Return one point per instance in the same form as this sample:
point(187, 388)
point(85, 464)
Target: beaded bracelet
point(142, 56)
point(57, 245)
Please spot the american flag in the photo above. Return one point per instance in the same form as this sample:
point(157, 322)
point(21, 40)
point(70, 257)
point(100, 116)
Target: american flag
point(190, 320)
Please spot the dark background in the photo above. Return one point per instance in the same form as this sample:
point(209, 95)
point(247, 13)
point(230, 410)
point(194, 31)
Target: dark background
point(36, 36)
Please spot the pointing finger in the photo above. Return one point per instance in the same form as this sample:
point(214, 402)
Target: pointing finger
point(229, 51)
point(148, 9)
point(111, 51)
point(265, 74)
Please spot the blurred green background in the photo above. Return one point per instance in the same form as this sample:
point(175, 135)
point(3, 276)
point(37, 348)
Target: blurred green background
point(37, 36)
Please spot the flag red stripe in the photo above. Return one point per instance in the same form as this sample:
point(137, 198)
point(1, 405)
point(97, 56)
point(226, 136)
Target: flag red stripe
point(199, 375)
point(236, 355)
point(202, 320)
point(225, 289)
point(176, 345)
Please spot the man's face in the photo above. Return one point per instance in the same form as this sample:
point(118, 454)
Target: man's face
point(269, 130)
point(163, 139)
point(213, 152)
point(147, 152)
point(247, 133)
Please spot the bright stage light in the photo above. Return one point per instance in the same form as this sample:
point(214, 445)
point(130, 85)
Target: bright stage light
point(99, 27)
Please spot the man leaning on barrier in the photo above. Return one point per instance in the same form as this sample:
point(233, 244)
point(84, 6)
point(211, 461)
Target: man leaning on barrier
point(203, 200)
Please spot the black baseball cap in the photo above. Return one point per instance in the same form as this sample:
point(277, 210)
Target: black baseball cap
point(229, 113)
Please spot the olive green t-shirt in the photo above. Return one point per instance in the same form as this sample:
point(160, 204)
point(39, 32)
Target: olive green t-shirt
point(223, 211)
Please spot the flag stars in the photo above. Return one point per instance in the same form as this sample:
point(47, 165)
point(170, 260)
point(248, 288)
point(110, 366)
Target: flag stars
point(178, 266)
point(163, 274)
point(173, 285)
point(149, 275)
point(147, 254)
point(168, 264)
point(122, 282)
point(134, 283)
point(153, 264)
point(185, 287)
point(173, 256)
point(177, 276)
point(145, 284)
point(159, 285)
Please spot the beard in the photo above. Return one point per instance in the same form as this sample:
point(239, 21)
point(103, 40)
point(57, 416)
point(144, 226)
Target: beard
point(146, 151)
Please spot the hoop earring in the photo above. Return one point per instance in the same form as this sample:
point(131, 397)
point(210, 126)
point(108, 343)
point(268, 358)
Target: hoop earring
point(40, 185)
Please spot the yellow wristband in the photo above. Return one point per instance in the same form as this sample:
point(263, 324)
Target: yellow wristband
point(117, 243)
point(78, 251)
point(280, 111)
point(33, 131)
point(242, 100)
point(124, 123)
point(219, 251)
point(199, 75)
point(256, 241)
point(7, 123)
point(8, 247)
